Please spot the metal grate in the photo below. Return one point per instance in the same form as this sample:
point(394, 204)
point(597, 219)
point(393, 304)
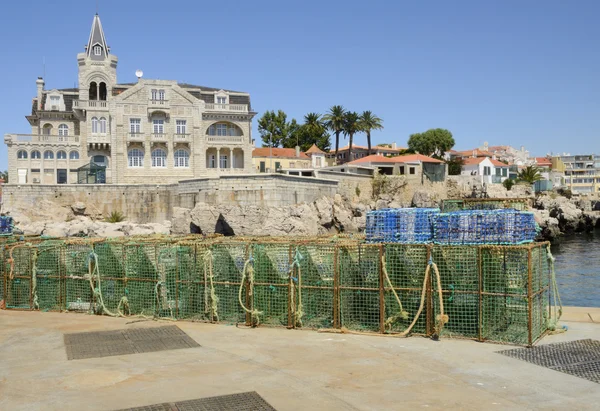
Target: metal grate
point(124, 342)
point(247, 401)
point(580, 358)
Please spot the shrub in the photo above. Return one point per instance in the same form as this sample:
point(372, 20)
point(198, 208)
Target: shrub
point(357, 191)
point(115, 217)
point(508, 183)
point(565, 192)
point(380, 184)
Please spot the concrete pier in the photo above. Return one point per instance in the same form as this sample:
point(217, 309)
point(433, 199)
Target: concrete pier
point(291, 369)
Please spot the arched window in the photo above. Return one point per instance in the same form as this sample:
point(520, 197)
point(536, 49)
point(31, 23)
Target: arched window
point(102, 125)
point(224, 129)
point(159, 158)
point(48, 155)
point(93, 91)
point(63, 130)
point(47, 129)
point(36, 155)
point(102, 91)
point(135, 157)
point(61, 155)
point(182, 158)
point(94, 125)
point(22, 155)
point(74, 155)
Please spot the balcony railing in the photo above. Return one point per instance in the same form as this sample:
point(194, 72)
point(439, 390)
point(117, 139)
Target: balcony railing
point(135, 137)
point(158, 103)
point(98, 138)
point(159, 137)
point(225, 139)
point(237, 108)
point(182, 137)
point(90, 104)
point(41, 139)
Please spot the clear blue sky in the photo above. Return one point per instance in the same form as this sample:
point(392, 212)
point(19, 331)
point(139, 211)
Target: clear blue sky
point(506, 72)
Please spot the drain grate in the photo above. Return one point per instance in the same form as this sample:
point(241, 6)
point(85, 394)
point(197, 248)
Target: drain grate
point(247, 401)
point(124, 342)
point(580, 358)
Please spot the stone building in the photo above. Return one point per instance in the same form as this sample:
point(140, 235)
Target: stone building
point(157, 131)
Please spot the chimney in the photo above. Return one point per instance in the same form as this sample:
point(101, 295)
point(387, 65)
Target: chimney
point(298, 151)
point(40, 87)
point(394, 146)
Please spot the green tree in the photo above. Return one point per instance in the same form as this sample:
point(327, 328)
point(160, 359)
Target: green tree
point(530, 175)
point(455, 166)
point(4, 176)
point(351, 127)
point(508, 183)
point(313, 131)
point(435, 141)
point(369, 122)
point(334, 121)
point(274, 128)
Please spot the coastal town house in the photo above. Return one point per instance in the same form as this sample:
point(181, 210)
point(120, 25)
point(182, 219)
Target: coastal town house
point(158, 131)
point(487, 170)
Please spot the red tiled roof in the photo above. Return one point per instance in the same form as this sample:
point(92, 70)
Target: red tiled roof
point(416, 157)
point(543, 161)
point(478, 153)
point(374, 158)
point(373, 148)
point(314, 149)
point(278, 152)
point(471, 161)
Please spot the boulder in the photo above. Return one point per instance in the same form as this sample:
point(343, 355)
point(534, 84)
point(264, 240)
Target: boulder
point(181, 221)
point(205, 217)
point(381, 204)
point(55, 230)
point(78, 208)
point(422, 198)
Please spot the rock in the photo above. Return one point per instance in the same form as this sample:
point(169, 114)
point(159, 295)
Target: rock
point(78, 208)
point(55, 230)
point(324, 210)
point(77, 228)
point(381, 204)
point(32, 228)
point(395, 204)
point(343, 219)
point(423, 198)
point(205, 217)
point(181, 223)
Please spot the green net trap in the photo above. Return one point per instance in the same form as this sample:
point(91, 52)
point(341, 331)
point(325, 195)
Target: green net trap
point(484, 292)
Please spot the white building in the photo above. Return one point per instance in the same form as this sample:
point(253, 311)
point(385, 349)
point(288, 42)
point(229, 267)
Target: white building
point(490, 171)
point(158, 131)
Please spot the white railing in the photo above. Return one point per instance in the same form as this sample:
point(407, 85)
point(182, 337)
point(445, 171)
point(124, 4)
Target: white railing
point(238, 108)
point(181, 137)
point(90, 104)
point(225, 139)
point(98, 138)
point(135, 136)
point(159, 136)
point(41, 139)
point(158, 103)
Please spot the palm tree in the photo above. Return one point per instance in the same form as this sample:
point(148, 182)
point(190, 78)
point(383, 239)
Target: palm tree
point(314, 122)
point(351, 127)
point(334, 121)
point(368, 122)
point(530, 174)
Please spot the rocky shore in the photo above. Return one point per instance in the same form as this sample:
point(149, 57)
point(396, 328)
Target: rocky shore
point(554, 213)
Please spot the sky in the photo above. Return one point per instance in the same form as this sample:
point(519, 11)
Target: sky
point(503, 72)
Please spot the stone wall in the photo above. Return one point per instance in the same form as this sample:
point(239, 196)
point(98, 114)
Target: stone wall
point(146, 203)
point(348, 184)
point(265, 190)
point(139, 203)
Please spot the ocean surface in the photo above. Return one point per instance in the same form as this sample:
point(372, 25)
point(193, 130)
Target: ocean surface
point(578, 269)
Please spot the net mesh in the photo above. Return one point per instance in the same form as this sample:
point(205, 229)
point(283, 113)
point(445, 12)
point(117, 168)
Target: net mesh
point(489, 292)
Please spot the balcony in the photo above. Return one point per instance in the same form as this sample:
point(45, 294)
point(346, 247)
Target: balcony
point(98, 105)
point(159, 137)
point(40, 139)
point(231, 108)
point(139, 137)
point(182, 137)
point(225, 139)
point(99, 138)
point(158, 103)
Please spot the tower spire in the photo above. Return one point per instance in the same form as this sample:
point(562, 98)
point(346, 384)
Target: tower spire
point(97, 39)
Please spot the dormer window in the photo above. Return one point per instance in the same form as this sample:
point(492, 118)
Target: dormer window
point(221, 100)
point(97, 51)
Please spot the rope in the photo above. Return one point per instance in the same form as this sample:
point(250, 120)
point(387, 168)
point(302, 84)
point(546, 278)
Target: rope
point(36, 305)
point(557, 307)
point(248, 274)
point(297, 312)
point(210, 298)
point(94, 271)
point(402, 314)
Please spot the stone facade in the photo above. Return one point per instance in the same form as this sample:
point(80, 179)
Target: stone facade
point(153, 130)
